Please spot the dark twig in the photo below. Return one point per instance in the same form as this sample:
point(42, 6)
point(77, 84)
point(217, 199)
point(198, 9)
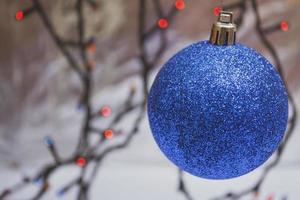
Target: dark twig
point(182, 186)
point(48, 25)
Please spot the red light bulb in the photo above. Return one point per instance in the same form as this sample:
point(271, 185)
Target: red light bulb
point(163, 23)
point(217, 10)
point(19, 15)
point(270, 197)
point(92, 48)
point(284, 26)
point(108, 134)
point(180, 4)
point(105, 111)
point(81, 161)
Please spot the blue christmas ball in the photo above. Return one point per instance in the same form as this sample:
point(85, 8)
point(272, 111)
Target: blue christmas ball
point(218, 112)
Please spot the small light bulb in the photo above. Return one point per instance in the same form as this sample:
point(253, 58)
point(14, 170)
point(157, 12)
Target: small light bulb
point(284, 26)
point(108, 134)
point(81, 161)
point(180, 4)
point(105, 111)
point(19, 15)
point(217, 10)
point(163, 23)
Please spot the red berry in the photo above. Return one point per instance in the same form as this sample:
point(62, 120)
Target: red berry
point(105, 111)
point(108, 134)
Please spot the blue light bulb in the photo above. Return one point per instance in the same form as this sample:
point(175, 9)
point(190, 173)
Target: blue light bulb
point(60, 193)
point(48, 141)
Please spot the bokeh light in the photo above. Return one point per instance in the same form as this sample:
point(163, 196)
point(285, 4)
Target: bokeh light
point(108, 134)
point(81, 161)
point(284, 25)
point(19, 15)
point(163, 23)
point(180, 4)
point(105, 111)
point(92, 47)
point(217, 10)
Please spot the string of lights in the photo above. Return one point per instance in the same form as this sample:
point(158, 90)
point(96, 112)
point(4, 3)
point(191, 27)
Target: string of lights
point(86, 153)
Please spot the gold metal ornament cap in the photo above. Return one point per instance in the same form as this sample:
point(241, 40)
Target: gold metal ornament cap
point(224, 30)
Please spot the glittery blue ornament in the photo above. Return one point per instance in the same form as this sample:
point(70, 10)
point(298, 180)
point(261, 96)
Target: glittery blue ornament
point(218, 111)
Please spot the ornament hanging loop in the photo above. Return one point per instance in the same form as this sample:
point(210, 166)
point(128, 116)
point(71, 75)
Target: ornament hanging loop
point(224, 30)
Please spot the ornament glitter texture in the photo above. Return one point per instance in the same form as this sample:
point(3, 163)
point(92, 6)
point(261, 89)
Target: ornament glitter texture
point(217, 109)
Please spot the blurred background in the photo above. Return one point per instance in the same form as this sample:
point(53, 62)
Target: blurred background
point(40, 95)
